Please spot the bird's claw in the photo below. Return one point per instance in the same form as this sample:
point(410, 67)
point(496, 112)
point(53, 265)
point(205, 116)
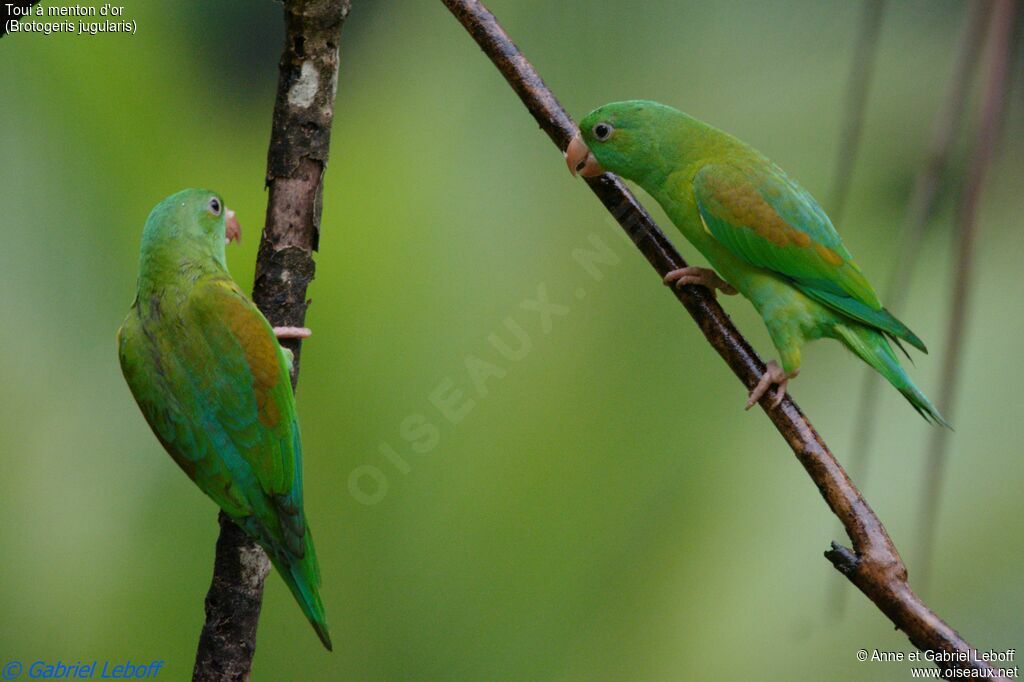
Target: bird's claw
point(292, 332)
point(773, 375)
point(702, 276)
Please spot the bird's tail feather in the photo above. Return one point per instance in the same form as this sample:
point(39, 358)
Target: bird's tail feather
point(881, 318)
point(873, 348)
point(303, 579)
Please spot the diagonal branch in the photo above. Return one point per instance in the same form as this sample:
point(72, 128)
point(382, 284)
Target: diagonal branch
point(993, 104)
point(299, 143)
point(873, 565)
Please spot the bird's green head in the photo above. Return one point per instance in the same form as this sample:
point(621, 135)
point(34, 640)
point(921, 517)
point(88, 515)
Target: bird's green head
point(633, 139)
point(185, 234)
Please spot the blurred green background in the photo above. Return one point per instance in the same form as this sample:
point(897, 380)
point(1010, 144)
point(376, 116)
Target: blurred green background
point(604, 510)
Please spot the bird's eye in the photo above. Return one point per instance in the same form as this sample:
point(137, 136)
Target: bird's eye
point(214, 206)
point(602, 131)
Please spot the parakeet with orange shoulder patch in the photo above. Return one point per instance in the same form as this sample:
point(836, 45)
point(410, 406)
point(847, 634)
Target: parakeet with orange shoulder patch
point(764, 235)
point(211, 379)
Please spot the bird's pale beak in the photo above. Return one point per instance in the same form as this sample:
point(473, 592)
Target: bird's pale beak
point(232, 230)
point(580, 159)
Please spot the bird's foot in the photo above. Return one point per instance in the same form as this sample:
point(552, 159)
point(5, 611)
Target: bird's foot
point(292, 332)
point(773, 375)
point(703, 276)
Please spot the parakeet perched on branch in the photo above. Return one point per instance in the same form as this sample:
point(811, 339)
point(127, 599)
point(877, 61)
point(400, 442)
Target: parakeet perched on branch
point(766, 237)
point(212, 381)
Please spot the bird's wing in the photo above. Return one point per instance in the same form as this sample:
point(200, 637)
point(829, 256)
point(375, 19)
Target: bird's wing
point(769, 221)
point(216, 392)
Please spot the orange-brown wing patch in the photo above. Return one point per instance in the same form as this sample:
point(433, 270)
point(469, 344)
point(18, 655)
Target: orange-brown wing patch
point(828, 255)
point(771, 222)
point(744, 206)
point(261, 354)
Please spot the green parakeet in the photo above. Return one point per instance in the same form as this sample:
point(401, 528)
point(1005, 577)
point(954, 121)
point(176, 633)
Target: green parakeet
point(212, 381)
point(762, 232)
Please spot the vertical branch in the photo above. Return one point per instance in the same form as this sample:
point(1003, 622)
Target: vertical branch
point(920, 208)
point(993, 104)
point(228, 640)
point(299, 143)
point(856, 102)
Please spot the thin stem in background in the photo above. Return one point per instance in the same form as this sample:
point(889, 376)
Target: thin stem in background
point(873, 565)
point(920, 208)
point(1000, 42)
point(856, 103)
point(299, 142)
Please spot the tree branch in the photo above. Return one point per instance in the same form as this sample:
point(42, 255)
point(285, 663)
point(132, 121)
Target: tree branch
point(873, 565)
point(299, 143)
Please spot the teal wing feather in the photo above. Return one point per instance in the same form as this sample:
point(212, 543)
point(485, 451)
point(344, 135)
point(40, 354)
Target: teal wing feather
point(241, 371)
point(768, 220)
point(215, 388)
point(163, 388)
point(213, 383)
